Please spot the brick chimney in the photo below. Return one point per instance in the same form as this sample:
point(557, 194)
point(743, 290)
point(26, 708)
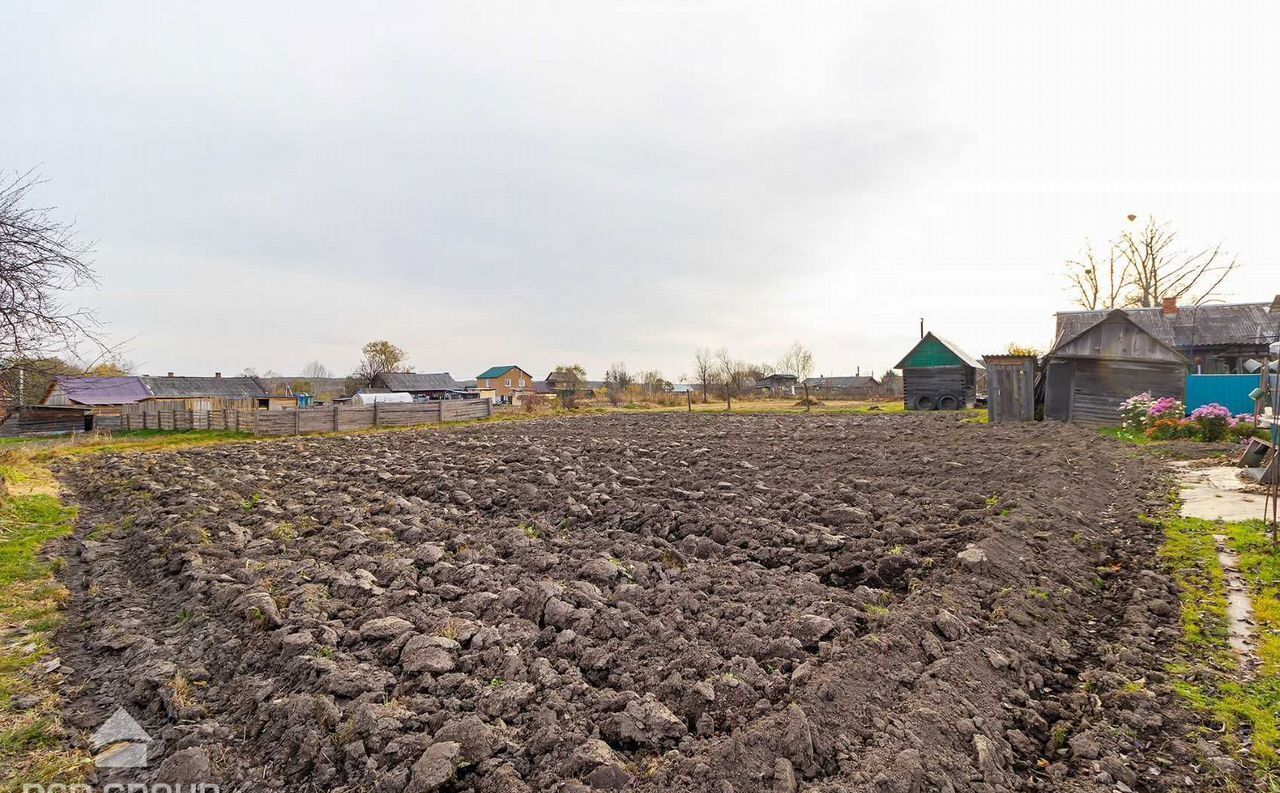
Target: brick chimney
point(171, 374)
point(1169, 306)
point(218, 375)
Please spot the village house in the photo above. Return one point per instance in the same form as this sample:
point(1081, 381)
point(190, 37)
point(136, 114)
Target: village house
point(505, 381)
point(105, 398)
point(423, 386)
point(209, 393)
point(1216, 338)
point(778, 384)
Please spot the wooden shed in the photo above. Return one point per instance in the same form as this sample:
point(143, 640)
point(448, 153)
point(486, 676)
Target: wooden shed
point(938, 375)
point(1011, 387)
point(35, 420)
point(1088, 375)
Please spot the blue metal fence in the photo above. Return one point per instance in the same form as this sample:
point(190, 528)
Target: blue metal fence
point(1229, 390)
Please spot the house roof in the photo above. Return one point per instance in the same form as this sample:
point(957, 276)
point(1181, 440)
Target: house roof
point(849, 381)
point(1191, 326)
point(417, 381)
point(200, 387)
point(496, 371)
point(778, 376)
point(933, 350)
point(103, 390)
point(1126, 339)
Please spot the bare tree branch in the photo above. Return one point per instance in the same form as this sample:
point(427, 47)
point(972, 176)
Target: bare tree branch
point(40, 262)
point(1144, 266)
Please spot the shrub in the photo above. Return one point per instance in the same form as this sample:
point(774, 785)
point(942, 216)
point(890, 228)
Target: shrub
point(1133, 410)
point(1211, 422)
point(1141, 411)
point(1243, 427)
point(533, 403)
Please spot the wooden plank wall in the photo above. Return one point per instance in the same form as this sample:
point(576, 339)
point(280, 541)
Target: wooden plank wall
point(1011, 388)
point(37, 420)
point(936, 380)
point(1098, 387)
point(323, 419)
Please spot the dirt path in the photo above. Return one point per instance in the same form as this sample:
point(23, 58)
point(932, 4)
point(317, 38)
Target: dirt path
point(662, 603)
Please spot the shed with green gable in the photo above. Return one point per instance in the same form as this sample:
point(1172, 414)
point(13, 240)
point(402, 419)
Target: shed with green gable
point(938, 375)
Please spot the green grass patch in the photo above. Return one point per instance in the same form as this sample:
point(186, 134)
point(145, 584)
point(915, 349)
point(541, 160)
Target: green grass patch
point(32, 745)
point(1206, 674)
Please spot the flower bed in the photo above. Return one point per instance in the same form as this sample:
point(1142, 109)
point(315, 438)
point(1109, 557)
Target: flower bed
point(1164, 418)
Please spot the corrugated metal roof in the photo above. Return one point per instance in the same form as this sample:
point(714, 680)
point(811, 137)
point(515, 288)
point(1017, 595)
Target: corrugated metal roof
point(1192, 326)
point(933, 351)
point(103, 390)
point(201, 387)
point(417, 381)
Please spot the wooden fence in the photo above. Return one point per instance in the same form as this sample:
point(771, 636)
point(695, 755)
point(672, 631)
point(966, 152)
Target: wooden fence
point(324, 419)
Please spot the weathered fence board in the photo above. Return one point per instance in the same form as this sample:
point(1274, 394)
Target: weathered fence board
point(305, 420)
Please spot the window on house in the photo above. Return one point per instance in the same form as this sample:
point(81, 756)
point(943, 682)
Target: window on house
point(488, 383)
point(508, 382)
point(522, 382)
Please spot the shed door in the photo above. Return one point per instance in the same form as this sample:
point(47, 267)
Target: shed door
point(1058, 385)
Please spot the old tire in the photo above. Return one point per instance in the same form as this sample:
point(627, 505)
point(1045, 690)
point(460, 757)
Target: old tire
point(923, 402)
point(948, 402)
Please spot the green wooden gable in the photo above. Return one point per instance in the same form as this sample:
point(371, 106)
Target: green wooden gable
point(934, 351)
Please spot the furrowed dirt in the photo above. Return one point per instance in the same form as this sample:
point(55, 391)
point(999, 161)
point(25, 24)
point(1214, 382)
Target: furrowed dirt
point(701, 603)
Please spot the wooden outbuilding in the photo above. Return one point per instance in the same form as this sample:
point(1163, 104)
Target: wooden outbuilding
point(779, 384)
point(1088, 374)
point(26, 421)
point(938, 375)
point(210, 393)
point(1011, 387)
point(424, 386)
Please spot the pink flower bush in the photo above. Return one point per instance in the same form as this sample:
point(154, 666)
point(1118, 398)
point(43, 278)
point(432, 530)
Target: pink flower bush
point(1163, 419)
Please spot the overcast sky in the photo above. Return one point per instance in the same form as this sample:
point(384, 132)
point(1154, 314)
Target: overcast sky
point(540, 183)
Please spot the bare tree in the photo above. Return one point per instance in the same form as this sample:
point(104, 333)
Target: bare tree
point(379, 357)
point(1099, 284)
point(1160, 269)
point(705, 370)
point(797, 361)
point(41, 263)
point(316, 370)
point(1143, 266)
point(734, 375)
point(617, 380)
